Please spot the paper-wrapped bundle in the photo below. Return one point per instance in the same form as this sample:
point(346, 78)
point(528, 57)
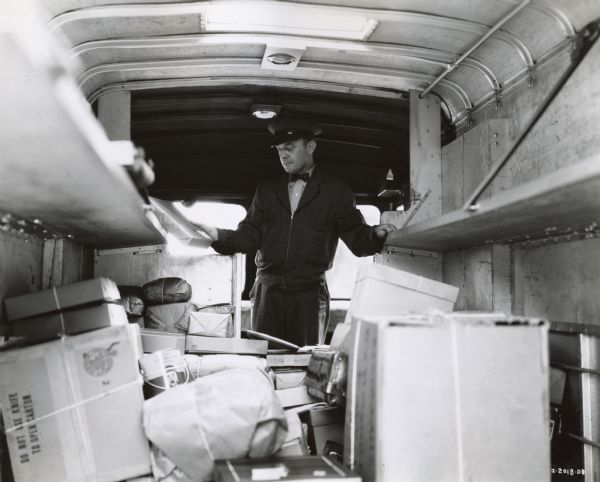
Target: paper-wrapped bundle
point(202, 365)
point(172, 317)
point(167, 290)
point(228, 414)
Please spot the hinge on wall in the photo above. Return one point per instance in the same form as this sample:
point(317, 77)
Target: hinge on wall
point(531, 76)
point(552, 235)
point(410, 252)
point(498, 97)
point(156, 248)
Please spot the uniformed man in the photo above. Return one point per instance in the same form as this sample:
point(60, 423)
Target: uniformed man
point(294, 224)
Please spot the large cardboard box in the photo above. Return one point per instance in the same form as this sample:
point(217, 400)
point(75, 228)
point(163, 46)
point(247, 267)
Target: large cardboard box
point(69, 322)
point(209, 344)
point(90, 291)
point(73, 409)
point(444, 398)
point(384, 291)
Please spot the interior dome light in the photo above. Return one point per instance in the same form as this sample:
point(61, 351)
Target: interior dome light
point(281, 59)
point(264, 114)
point(265, 111)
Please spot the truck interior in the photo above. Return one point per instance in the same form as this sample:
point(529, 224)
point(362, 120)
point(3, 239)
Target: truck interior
point(112, 106)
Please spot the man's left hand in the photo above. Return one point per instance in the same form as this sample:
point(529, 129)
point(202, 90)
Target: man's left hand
point(382, 230)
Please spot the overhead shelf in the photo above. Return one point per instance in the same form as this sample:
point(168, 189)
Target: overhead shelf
point(57, 167)
point(564, 201)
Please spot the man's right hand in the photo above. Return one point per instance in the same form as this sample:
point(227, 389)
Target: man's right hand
point(211, 231)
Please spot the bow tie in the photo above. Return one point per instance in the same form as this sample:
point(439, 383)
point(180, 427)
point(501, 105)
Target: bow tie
point(300, 177)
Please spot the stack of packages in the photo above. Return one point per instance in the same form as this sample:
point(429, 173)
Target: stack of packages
point(433, 395)
point(172, 321)
point(74, 409)
point(72, 406)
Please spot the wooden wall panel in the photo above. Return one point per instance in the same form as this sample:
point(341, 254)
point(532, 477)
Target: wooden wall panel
point(452, 175)
point(20, 265)
point(478, 286)
point(483, 275)
point(476, 159)
point(468, 159)
point(559, 282)
point(210, 276)
point(567, 132)
point(66, 262)
point(454, 273)
point(425, 155)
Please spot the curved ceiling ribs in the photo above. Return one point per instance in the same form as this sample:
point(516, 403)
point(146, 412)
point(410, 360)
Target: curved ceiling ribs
point(108, 49)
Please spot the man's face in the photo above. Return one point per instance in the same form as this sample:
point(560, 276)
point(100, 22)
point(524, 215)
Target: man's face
point(296, 156)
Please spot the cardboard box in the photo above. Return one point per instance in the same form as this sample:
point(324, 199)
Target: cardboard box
point(443, 398)
point(209, 324)
point(207, 344)
point(135, 337)
point(290, 469)
point(295, 441)
point(288, 359)
point(289, 378)
point(291, 397)
point(384, 291)
point(69, 322)
point(95, 290)
point(292, 448)
point(155, 340)
point(325, 424)
point(73, 409)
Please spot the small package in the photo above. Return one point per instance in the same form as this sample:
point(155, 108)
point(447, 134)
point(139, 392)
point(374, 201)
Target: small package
point(155, 340)
point(290, 469)
point(208, 344)
point(171, 317)
point(167, 290)
point(69, 322)
point(325, 424)
point(295, 442)
point(209, 324)
point(95, 290)
point(326, 375)
point(292, 397)
point(276, 359)
point(289, 377)
point(73, 409)
point(132, 299)
point(202, 365)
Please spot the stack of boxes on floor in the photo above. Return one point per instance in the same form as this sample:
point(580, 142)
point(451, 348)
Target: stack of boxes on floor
point(434, 395)
point(407, 391)
point(72, 406)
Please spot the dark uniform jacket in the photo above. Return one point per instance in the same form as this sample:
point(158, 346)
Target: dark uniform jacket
point(295, 250)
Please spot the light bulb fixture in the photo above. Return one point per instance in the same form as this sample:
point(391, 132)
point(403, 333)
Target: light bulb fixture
point(281, 58)
point(263, 111)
